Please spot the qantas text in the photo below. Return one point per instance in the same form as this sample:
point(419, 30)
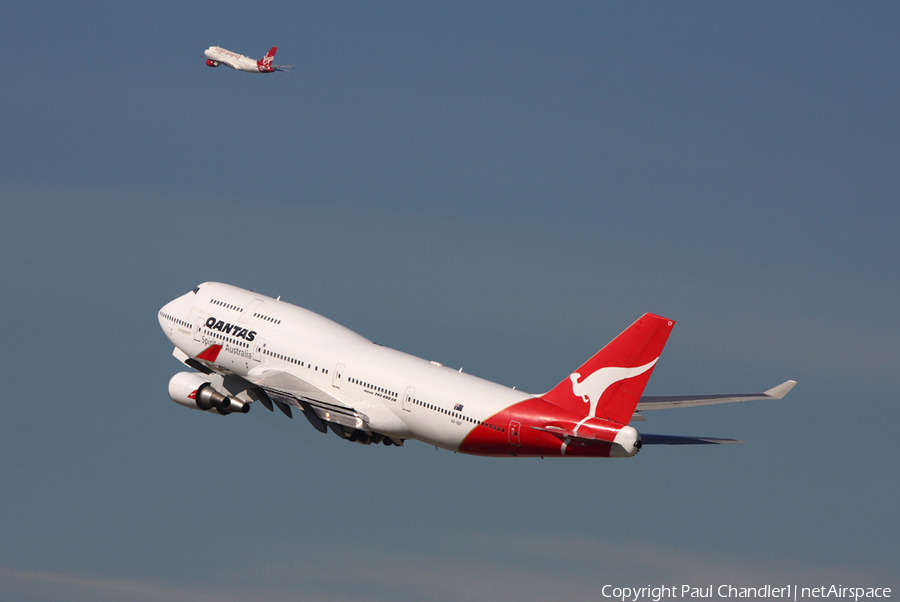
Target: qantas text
point(235, 331)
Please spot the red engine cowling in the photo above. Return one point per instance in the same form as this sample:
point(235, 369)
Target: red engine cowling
point(193, 391)
point(211, 63)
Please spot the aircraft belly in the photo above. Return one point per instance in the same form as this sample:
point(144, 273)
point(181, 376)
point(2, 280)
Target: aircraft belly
point(336, 376)
point(510, 432)
point(381, 419)
point(442, 434)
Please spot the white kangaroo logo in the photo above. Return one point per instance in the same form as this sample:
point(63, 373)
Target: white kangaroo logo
point(592, 388)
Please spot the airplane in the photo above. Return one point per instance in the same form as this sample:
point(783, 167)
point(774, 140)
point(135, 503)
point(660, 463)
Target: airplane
point(245, 347)
point(216, 56)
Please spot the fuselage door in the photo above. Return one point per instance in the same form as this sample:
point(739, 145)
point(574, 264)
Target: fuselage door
point(260, 345)
point(338, 375)
point(407, 398)
point(514, 432)
point(248, 311)
point(196, 321)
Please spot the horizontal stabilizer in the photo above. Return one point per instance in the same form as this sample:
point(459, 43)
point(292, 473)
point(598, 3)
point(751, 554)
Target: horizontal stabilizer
point(673, 440)
point(568, 434)
point(683, 401)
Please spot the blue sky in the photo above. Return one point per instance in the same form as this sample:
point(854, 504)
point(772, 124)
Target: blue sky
point(497, 186)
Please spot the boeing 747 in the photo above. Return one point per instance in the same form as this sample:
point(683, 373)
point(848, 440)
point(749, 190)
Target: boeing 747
point(244, 348)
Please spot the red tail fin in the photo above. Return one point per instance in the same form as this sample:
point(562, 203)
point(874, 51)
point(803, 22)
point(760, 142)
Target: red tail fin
point(266, 63)
point(612, 381)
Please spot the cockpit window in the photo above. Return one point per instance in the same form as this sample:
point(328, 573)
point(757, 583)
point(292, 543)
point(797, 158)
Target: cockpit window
point(196, 289)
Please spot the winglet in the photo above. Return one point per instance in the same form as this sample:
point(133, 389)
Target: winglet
point(210, 353)
point(781, 390)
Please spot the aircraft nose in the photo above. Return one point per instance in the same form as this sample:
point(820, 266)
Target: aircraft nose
point(166, 318)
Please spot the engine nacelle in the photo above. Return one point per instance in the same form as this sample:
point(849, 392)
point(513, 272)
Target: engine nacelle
point(211, 63)
point(194, 391)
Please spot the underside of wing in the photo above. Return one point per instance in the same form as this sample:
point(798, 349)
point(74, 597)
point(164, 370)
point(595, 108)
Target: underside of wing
point(320, 407)
point(648, 402)
point(284, 390)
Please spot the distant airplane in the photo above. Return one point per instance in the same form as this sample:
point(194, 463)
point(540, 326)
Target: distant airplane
point(216, 56)
point(246, 347)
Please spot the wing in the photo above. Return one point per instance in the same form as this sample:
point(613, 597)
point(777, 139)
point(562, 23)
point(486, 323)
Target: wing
point(285, 390)
point(228, 63)
point(648, 402)
point(320, 407)
point(221, 61)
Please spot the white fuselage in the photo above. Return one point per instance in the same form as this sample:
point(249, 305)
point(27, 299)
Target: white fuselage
point(399, 395)
point(232, 59)
point(246, 347)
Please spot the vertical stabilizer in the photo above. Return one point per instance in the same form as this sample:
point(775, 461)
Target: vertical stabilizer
point(265, 65)
point(610, 384)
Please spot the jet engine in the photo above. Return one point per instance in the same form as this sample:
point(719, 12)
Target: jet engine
point(211, 63)
point(194, 391)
